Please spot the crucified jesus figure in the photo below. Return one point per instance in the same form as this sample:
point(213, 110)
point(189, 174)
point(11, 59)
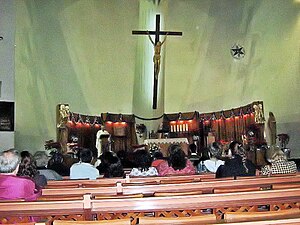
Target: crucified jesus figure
point(157, 56)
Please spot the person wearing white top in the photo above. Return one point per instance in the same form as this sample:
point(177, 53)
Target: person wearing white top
point(84, 169)
point(100, 134)
point(213, 163)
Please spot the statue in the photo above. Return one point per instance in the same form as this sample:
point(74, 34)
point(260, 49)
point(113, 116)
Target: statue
point(64, 112)
point(157, 56)
point(62, 129)
point(258, 114)
point(271, 129)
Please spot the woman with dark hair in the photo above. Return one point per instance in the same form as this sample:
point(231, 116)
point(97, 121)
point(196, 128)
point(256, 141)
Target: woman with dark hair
point(28, 168)
point(110, 165)
point(58, 164)
point(177, 163)
point(143, 160)
point(237, 165)
point(233, 147)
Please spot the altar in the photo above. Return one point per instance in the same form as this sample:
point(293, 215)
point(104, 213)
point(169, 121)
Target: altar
point(164, 144)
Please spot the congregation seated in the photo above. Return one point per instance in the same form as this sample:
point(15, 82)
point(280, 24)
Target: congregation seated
point(84, 169)
point(278, 163)
point(41, 159)
point(27, 168)
point(142, 160)
point(237, 165)
point(213, 163)
point(177, 163)
point(57, 163)
point(110, 165)
point(13, 187)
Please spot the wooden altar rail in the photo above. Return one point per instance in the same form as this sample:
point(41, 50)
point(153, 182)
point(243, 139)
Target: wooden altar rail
point(193, 205)
point(205, 187)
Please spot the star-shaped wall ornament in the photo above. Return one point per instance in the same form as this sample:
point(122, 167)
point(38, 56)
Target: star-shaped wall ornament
point(237, 51)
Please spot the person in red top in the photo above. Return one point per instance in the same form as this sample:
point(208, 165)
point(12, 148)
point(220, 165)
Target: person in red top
point(13, 187)
point(158, 159)
point(176, 164)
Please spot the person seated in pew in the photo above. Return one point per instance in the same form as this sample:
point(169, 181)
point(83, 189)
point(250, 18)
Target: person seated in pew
point(278, 163)
point(41, 159)
point(110, 165)
point(177, 163)
point(142, 160)
point(158, 158)
point(193, 155)
point(58, 164)
point(13, 187)
point(28, 169)
point(237, 165)
point(84, 169)
point(213, 163)
point(233, 147)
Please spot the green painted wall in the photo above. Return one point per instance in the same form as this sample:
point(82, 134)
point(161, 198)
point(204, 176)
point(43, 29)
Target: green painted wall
point(201, 74)
point(76, 52)
point(82, 53)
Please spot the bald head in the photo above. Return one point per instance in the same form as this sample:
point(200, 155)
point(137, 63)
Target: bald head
point(9, 161)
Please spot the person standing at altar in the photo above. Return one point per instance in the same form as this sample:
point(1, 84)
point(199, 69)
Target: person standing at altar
point(11, 186)
point(102, 133)
point(177, 163)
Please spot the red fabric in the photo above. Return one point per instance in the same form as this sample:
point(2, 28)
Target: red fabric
point(164, 169)
point(157, 162)
point(13, 187)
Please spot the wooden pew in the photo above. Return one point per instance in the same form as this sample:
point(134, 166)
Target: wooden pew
point(253, 216)
point(195, 205)
point(100, 222)
point(29, 223)
point(267, 222)
point(113, 181)
point(22, 212)
point(193, 220)
point(205, 187)
point(179, 206)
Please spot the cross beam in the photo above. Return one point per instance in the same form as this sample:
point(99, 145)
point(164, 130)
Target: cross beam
point(157, 32)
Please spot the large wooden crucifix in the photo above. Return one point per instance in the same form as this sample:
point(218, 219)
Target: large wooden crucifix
point(157, 45)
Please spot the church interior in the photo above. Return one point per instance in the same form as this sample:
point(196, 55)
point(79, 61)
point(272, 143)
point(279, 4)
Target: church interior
point(148, 74)
point(83, 53)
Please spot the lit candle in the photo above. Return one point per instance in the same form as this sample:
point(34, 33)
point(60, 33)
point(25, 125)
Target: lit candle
point(177, 128)
point(172, 130)
point(186, 127)
point(183, 127)
point(180, 127)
